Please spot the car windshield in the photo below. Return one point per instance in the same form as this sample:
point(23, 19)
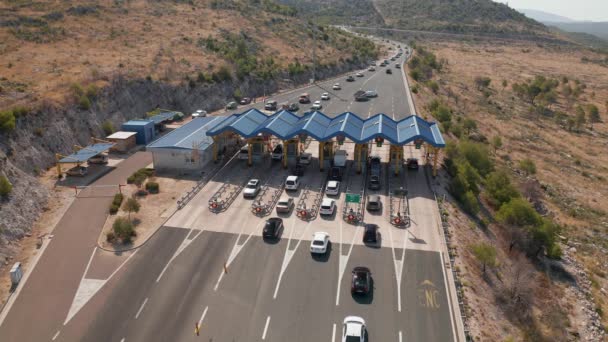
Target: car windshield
point(352, 339)
point(283, 203)
point(251, 186)
point(318, 243)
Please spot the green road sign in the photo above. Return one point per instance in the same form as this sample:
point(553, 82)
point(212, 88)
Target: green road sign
point(418, 146)
point(353, 198)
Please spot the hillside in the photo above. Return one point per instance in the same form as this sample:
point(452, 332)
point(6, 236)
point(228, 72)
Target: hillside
point(599, 29)
point(48, 45)
point(543, 16)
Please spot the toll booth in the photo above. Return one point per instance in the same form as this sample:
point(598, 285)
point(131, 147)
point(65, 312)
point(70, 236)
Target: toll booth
point(326, 153)
point(257, 149)
point(361, 155)
point(396, 157)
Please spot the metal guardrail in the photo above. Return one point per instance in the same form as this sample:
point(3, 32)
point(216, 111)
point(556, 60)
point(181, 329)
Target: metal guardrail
point(261, 208)
point(224, 196)
point(191, 194)
point(456, 273)
point(353, 212)
point(309, 213)
point(399, 209)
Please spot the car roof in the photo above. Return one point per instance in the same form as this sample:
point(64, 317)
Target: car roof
point(332, 183)
point(292, 178)
point(251, 181)
point(375, 198)
point(284, 199)
point(327, 201)
point(371, 226)
point(274, 219)
point(353, 328)
point(320, 235)
point(361, 269)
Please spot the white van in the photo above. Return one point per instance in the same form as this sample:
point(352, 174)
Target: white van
point(292, 183)
point(244, 153)
point(340, 158)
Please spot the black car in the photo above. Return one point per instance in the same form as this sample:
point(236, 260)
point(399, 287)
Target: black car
point(373, 203)
point(272, 228)
point(270, 105)
point(362, 281)
point(412, 163)
point(335, 173)
point(370, 235)
point(389, 71)
point(245, 101)
point(360, 95)
point(293, 107)
point(350, 79)
point(298, 170)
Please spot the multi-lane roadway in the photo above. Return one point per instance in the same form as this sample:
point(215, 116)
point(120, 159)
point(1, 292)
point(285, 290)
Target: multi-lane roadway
point(215, 272)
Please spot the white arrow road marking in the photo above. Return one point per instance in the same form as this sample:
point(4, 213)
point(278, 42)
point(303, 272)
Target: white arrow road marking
point(200, 321)
point(398, 264)
point(236, 249)
point(289, 254)
point(179, 250)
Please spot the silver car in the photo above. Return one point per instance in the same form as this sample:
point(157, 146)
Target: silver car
point(285, 205)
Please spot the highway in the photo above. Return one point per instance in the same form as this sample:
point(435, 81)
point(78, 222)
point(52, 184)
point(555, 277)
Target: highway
point(214, 270)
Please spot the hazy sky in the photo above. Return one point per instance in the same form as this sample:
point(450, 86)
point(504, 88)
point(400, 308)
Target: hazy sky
point(596, 10)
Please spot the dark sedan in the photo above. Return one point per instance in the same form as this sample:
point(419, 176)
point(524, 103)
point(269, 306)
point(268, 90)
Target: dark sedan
point(370, 235)
point(362, 281)
point(245, 101)
point(272, 228)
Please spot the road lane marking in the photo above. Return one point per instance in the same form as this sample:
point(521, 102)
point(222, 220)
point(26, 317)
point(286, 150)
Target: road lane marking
point(123, 340)
point(56, 335)
point(200, 321)
point(447, 295)
point(289, 254)
point(343, 261)
point(236, 249)
point(141, 308)
point(398, 264)
point(179, 250)
point(400, 336)
point(333, 333)
point(266, 328)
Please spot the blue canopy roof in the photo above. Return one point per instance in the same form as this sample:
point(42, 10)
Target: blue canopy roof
point(189, 135)
point(86, 153)
point(286, 125)
point(162, 117)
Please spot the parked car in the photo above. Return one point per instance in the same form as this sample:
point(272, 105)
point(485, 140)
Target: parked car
point(277, 153)
point(199, 113)
point(78, 171)
point(371, 68)
point(305, 158)
point(292, 183)
point(270, 105)
point(293, 107)
point(272, 228)
point(316, 105)
point(398, 66)
point(371, 93)
point(361, 281)
point(328, 207)
point(353, 329)
point(98, 159)
point(319, 243)
point(284, 205)
point(252, 188)
point(325, 96)
point(304, 98)
point(336, 86)
point(412, 163)
point(360, 95)
point(371, 234)
point(244, 153)
point(389, 71)
point(373, 203)
point(335, 173)
point(350, 79)
point(231, 105)
point(359, 74)
point(245, 100)
point(332, 188)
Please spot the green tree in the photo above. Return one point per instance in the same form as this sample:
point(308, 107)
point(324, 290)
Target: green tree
point(477, 155)
point(496, 143)
point(594, 114)
point(123, 229)
point(5, 186)
point(579, 119)
point(505, 83)
point(469, 125)
point(471, 175)
point(131, 205)
point(7, 121)
point(108, 127)
point(485, 254)
point(518, 212)
point(499, 188)
point(527, 166)
point(470, 203)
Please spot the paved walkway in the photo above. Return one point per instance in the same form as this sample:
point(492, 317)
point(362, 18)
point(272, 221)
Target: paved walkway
point(45, 299)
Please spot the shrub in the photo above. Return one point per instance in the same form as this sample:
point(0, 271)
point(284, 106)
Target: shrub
point(482, 82)
point(499, 188)
point(5, 186)
point(118, 198)
point(77, 90)
point(110, 237)
point(434, 86)
point(469, 203)
point(518, 212)
point(7, 121)
point(485, 254)
point(527, 166)
point(415, 89)
point(114, 208)
point(84, 103)
point(39, 131)
point(123, 229)
point(92, 91)
point(108, 127)
point(131, 205)
point(152, 187)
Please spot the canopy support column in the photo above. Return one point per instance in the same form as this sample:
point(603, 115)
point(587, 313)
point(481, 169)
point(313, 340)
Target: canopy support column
point(396, 156)
point(358, 150)
point(215, 149)
point(285, 146)
point(321, 155)
point(435, 159)
point(249, 152)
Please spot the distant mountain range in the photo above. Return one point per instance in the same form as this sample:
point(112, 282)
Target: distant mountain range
point(596, 28)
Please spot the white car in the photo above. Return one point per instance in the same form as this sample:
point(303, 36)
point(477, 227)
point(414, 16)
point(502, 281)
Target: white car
point(371, 93)
point(316, 105)
point(199, 114)
point(328, 207)
point(325, 96)
point(336, 86)
point(353, 329)
point(359, 74)
point(305, 158)
point(319, 243)
point(332, 188)
point(292, 183)
point(252, 188)
point(371, 68)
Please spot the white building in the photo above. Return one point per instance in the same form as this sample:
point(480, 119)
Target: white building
point(187, 149)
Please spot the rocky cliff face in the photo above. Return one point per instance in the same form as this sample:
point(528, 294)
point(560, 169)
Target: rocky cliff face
point(49, 130)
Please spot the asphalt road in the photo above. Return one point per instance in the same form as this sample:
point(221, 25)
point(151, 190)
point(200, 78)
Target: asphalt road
point(215, 270)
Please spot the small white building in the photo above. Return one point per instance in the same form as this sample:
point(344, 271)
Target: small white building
point(187, 149)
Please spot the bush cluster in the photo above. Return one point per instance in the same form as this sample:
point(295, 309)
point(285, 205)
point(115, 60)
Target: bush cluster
point(116, 203)
point(8, 118)
point(122, 229)
point(5, 186)
point(152, 187)
point(139, 176)
point(423, 64)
